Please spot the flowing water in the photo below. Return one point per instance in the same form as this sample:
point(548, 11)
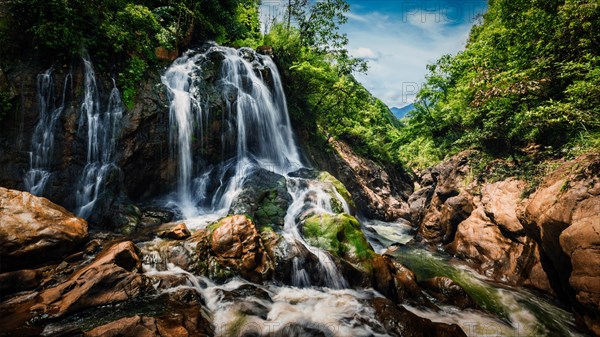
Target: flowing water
point(103, 127)
point(42, 140)
point(255, 112)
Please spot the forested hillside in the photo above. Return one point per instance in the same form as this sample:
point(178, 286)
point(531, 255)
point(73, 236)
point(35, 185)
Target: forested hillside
point(529, 78)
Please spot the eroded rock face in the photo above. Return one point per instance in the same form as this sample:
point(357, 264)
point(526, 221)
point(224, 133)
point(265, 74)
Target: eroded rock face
point(477, 222)
point(112, 277)
point(34, 230)
point(378, 192)
point(563, 216)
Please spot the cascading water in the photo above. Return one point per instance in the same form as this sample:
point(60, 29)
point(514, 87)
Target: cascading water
point(257, 112)
point(42, 140)
point(311, 196)
point(102, 131)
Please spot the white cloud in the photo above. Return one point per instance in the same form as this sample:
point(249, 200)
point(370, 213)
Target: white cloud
point(364, 53)
point(400, 50)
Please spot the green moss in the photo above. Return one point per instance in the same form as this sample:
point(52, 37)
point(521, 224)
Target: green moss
point(326, 177)
point(338, 234)
point(270, 212)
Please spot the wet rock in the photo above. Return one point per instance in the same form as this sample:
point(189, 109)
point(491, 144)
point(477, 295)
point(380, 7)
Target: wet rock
point(35, 230)
point(112, 277)
point(179, 232)
point(19, 280)
point(447, 291)
point(398, 321)
point(155, 217)
point(338, 234)
point(168, 325)
point(124, 217)
point(481, 243)
point(264, 197)
point(564, 219)
point(265, 50)
point(233, 246)
point(396, 282)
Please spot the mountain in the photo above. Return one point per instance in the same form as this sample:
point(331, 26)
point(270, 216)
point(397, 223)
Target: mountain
point(403, 111)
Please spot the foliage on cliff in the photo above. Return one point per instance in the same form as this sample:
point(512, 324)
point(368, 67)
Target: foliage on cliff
point(325, 99)
point(530, 75)
point(123, 34)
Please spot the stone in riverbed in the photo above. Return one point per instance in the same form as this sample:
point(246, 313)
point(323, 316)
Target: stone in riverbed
point(448, 291)
point(233, 246)
point(179, 232)
point(34, 230)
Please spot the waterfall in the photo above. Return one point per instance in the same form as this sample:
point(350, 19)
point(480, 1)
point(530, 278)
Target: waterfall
point(42, 140)
point(256, 111)
point(102, 131)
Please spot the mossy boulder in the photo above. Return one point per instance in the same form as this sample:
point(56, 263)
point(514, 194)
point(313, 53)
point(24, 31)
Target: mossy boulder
point(326, 177)
point(338, 234)
point(264, 197)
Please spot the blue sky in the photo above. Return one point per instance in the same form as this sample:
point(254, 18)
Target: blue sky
point(400, 37)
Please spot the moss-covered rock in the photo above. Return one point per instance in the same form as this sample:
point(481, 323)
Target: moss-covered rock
point(264, 197)
point(326, 177)
point(338, 234)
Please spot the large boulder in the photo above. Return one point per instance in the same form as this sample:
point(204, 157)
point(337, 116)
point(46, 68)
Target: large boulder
point(34, 230)
point(563, 216)
point(231, 247)
point(264, 197)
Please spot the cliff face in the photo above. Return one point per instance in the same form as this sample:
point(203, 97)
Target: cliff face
point(548, 241)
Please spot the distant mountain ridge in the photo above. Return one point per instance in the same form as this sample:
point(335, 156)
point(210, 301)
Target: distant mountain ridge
point(403, 111)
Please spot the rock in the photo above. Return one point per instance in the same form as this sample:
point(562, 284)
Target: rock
point(233, 246)
point(124, 217)
point(112, 277)
point(179, 232)
point(265, 50)
point(447, 291)
point(165, 54)
point(398, 321)
point(563, 217)
point(477, 222)
point(264, 197)
point(35, 230)
point(19, 280)
point(396, 282)
point(338, 234)
point(177, 325)
point(380, 192)
point(500, 202)
point(326, 177)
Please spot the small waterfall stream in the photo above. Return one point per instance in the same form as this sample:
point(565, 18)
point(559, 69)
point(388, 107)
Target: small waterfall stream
point(42, 140)
point(102, 131)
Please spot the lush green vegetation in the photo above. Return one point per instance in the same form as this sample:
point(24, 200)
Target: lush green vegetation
point(528, 79)
point(121, 36)
point(325, 99)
